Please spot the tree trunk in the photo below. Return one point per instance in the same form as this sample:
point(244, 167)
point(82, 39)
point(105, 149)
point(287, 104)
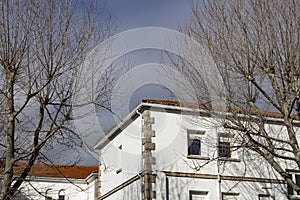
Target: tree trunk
point(9, 158)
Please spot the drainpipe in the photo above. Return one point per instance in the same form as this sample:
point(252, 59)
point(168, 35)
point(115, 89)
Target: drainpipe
point(219, 181)
point(167, 188)
point(218, 168)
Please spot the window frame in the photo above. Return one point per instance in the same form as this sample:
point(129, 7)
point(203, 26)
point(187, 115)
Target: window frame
point(194, 141)
point(197, 192)
point(47, 195)
point(230, 194)
point(194, 147)
point(224, 150)
point(293, 174)
point(224, 145)
point(61, 194)
point(262, 196)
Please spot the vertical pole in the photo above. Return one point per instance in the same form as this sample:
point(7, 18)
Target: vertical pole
point(218, 167)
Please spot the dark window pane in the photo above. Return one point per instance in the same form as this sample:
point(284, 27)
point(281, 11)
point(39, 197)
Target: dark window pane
point(289, 188)
point(297, 176)
point(224, 149)
point(194, 147)
point(61, 197)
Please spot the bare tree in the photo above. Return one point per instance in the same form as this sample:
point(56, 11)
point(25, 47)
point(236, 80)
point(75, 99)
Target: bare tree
point(42, 44)
point(256, 47)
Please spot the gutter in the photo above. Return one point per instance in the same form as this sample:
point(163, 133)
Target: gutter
point(119, 128)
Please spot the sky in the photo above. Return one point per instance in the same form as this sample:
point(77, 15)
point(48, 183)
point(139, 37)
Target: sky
point(155, 13)
point(132, 14)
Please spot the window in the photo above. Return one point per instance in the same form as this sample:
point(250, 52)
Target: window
point(61, 194)
point(230, 196)
point(48, 194)
point(295, 178)
point(194, 142)
point(194, 147)
point(198, 195)
point(224, 149)
point(289, 187)
point(61, 197)
point(264, 197)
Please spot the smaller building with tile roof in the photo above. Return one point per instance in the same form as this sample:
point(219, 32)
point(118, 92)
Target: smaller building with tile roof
point(58, 182)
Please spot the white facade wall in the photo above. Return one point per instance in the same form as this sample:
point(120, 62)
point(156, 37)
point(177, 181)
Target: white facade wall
point(74, 189)
point(118, 165)
point(171, 154)
point(121, 160)
point(179, 189)
point(171, 147)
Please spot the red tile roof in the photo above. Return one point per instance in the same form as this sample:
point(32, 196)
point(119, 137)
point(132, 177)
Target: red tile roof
point(208, 107)
point(56, 170)
point(178, 103)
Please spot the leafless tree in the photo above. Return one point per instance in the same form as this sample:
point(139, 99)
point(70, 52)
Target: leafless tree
point(256, 47)
point(42, 44)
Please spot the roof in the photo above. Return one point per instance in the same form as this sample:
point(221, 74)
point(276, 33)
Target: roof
point(208, 107)
point(163, 105)
point(178, 106)
point(56, 170)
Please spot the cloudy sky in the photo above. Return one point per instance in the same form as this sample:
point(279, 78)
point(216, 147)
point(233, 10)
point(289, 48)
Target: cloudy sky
point(132, 14)
point(156, 13)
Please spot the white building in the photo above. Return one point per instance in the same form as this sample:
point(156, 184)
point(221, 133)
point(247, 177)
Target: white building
point(162, 150)
point(61, 182)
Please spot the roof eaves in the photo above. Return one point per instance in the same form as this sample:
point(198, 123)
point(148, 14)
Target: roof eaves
point(117, 129)
point(179, 107)
point(91, 177)
point(56, 180)
point(139, 109)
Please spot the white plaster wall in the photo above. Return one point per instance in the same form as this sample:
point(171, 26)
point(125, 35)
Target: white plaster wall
point(171, 155)
point(73, 190)
point(131, 192)
point(251, 190)
point(127, 159)
point(179, 189)
point(171, 148)
point(171, 142)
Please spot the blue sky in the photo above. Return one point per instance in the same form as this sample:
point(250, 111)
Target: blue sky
point(132, 14)
point(137, 14)
point(141, 13)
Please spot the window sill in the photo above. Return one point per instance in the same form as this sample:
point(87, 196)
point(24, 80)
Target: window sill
point(294, 197)
point(199, 157)
point(229, 159)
